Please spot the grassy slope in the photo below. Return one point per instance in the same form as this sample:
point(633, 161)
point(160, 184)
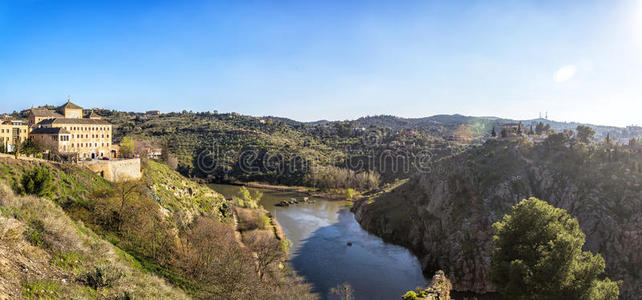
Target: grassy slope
point(175, 192)
point(45, 254)
point(170, 202)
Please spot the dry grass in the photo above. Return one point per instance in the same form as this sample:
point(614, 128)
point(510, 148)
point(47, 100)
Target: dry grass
point(43, 253)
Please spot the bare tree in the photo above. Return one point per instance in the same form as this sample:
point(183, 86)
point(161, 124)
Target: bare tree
point(268, 250)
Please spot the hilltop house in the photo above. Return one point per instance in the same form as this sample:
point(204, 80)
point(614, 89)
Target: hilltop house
point(510, 130)
point(65, 130)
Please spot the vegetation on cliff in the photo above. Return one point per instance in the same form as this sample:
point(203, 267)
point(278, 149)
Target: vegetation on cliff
point(445, 216)
point(439, 289)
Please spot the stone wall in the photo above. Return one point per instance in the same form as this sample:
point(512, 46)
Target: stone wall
point(116, 170)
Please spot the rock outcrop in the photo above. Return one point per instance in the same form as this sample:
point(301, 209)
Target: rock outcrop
point(445, 216)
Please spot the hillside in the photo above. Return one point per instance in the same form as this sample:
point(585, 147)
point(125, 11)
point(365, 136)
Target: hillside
point(229, 147)
point(45, 254)
point(167, 226)
point(232, 147)
point(445, 215)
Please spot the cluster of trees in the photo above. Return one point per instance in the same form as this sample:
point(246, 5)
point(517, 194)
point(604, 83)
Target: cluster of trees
point(247, 199)
point(339, 178)
point(234, 138)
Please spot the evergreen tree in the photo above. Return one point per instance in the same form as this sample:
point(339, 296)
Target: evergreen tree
point(585, 134)
point(39, 182)
point(539, 128)
point(538, 255)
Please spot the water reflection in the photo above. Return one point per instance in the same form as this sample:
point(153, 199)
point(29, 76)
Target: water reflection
point(374, 269)
point(320, 233)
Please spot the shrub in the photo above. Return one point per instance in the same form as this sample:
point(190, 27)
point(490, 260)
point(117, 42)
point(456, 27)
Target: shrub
point(34, 235)
point(102, 276)
point(264, 222)
point(350, 194)
point(39, 182)
point(410, 295)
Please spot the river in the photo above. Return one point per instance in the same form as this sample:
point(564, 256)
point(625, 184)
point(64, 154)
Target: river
point(320, 233)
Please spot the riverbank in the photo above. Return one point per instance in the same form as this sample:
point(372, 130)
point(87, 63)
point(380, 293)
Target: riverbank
point(328, 248)
point(335, 195)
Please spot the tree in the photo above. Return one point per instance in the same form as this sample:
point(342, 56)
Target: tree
point(39, 182)
point(539, 128)
point(16, 150)
point(557, 140)
point(126, 192)
point(463, 133)
point(538, 255)
point(493, 133)
point(29, 147)
point(585, 134)
point(126, 147)
point(268, 250)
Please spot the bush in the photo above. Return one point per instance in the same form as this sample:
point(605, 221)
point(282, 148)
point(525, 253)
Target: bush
point(538, 255)
point(247, 200)
point(264, 222)
point(410, 295)
point(101, 277)
point(350, 194)
point(34, 235)
point(39, 182)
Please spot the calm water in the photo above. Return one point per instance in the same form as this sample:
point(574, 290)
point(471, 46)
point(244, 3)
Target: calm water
point(320, 233)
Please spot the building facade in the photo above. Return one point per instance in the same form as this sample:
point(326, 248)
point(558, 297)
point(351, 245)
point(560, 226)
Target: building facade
point(12, 133)
point(67, 131)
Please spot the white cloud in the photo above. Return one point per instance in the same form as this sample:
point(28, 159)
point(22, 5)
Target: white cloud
point(565, 73)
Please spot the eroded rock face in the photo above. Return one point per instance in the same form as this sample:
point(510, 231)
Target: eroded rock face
point(445, 216)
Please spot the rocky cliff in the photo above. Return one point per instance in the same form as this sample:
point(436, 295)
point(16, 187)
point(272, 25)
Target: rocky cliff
point(445, 215)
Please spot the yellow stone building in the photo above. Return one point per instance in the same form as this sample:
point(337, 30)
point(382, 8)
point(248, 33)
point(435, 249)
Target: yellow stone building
point(65, 130)
point(12, 133)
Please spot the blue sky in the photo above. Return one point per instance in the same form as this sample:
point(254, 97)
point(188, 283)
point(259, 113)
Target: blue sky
point(310, 60)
